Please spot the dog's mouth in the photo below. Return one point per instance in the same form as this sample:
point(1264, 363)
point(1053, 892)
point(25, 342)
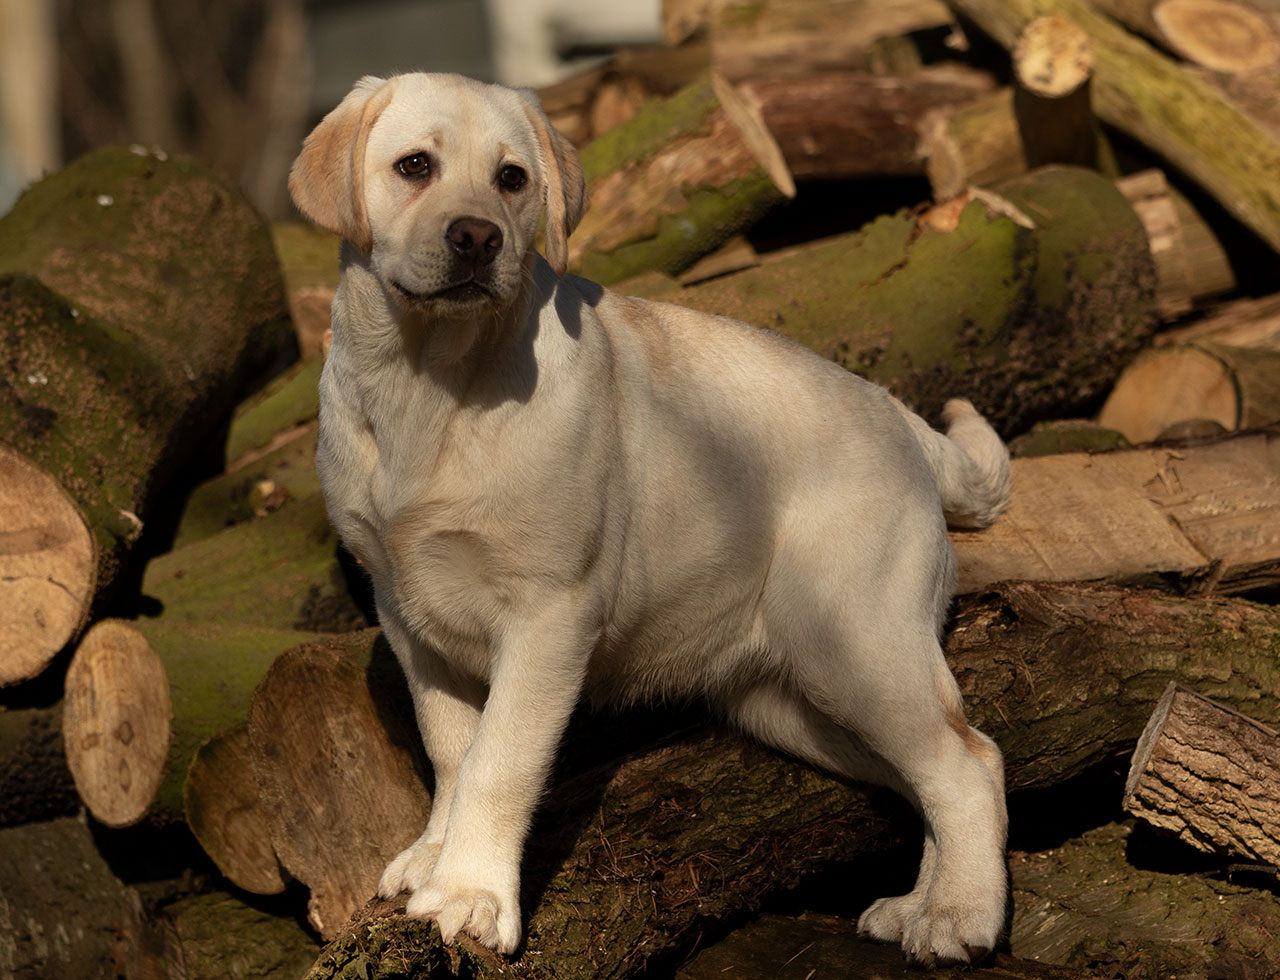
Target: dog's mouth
point(467, 291)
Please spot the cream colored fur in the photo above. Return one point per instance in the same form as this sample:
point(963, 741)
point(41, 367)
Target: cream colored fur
point(560, 491)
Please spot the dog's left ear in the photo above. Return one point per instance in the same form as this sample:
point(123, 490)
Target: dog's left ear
point(564, 189)
point(327, 179)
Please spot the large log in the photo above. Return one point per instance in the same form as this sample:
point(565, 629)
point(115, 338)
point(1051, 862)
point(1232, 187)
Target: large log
point(138, 296)
point(1210, 775)
point(675, 182)
point(1029, 305)
point(1229, 36)
point(1155, 100)
point(631, 862)
point(1196, 518)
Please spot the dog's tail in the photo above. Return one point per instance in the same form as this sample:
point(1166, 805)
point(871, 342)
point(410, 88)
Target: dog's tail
point(970, 464)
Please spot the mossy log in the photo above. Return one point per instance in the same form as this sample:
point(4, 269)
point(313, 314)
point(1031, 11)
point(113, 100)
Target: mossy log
point(1028, 306)
point(138, 297)
point(1154, 99)
point(632, 863)
point(273, 416)
point(674, 182)
point(218, 936)
point(309, 263)
point(35, 783)
point(143, 695)
point(1201, 517)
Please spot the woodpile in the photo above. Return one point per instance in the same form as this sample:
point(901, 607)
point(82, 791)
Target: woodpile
point(1067, 212)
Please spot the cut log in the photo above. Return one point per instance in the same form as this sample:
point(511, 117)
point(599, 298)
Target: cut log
point(675, 182)
point(338, 762)
point(224, 811)
point(1202, 518)
point(1210, 775)
point(137, 298)
point(974, 144)
point(1243, 323)
point(1172, 385)
point(141, 698)
point(1028, 304)
point(1229, 36)
point(309, 263)
point(842, 125)
point(1190, 262)
point(1053, 64)
point(1156, 101)
point(628, 865)
point(750, 40)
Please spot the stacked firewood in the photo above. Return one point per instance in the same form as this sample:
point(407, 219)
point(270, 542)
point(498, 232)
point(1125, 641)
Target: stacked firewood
point(184, 643)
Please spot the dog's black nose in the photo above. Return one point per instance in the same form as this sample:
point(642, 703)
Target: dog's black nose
point(475, 240)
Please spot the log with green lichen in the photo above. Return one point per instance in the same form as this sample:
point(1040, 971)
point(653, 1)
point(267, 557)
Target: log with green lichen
point(138, 297)
point(1030, 311)
point(675, 182)
point(632, 863)
point(1152, 98)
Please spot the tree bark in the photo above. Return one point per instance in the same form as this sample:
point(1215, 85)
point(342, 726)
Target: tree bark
point(1195, 518)
point(843, 124)
point(35, 783)
point(1028, 310)
point(630, 863)
point(1157, 102)
point(1210, 775)
point(168, 300)
point(675, 182)
point(1171, 385)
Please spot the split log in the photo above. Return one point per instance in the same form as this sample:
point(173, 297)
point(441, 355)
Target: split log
point(751, 40)
point(1156, 101)
point(1210, 775)
point(675, 182)
point(1028, 303)
point(630, 864)
point(138, 296)
point(143, 695)
point(338, 763)
point(843, 124)
point(1197, 518)
point(1229, 36)
point(1169, 386)
point(1242, 323)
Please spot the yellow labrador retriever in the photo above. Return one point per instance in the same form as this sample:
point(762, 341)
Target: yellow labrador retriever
point(560, 491)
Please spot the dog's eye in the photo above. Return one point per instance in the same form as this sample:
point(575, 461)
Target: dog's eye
point(512, 178)
point(416, 165)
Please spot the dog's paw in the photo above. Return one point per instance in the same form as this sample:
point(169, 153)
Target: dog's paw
point(410, 869)
point(885, 919)
point(481, 914)
point(931, 936)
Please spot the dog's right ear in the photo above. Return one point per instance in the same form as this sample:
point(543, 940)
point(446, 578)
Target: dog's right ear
point(327, 179)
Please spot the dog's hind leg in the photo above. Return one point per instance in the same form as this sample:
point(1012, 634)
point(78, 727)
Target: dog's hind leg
point(901, 725)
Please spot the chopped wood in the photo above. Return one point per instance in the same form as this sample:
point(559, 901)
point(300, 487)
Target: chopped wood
point(1053, 63)
point(1198, 518)
point(1210, 775)
point(845, 124)
point(675, 182)
point(1171, 385)
point(1229, 36)
point(337, 759)
point(1155, 100)
point(1241, 323)
point(116, 722)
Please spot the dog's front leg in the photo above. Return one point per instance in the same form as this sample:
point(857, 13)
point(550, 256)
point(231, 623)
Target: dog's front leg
point(535, 681)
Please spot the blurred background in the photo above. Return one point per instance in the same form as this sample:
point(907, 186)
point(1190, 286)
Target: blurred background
point(240, 82)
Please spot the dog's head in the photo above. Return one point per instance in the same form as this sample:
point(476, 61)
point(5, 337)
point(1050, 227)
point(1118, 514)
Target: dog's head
point(441, 180)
